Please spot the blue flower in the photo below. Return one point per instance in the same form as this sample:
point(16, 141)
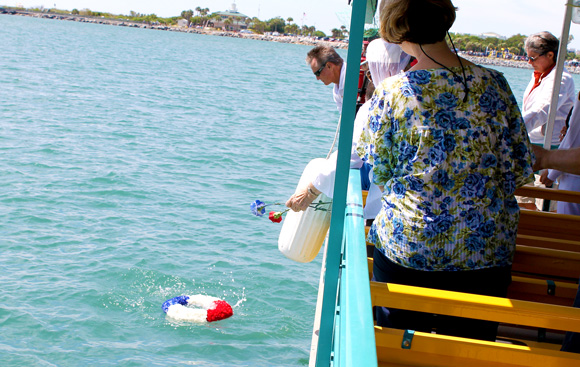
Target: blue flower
point(503, 252)
point(447, 101)
point(490, 102)
point(474, 243)
point(495, 206)
point(415, 183)
point(436, 154)
point(473, 219)
point(473, 186)
point(461, 123)
point(420, 77)
point(487, 229)
point(501, 81)
point(399, 190)
point(410, 90)
point(375, 123)
point(398, 226)
point(449, 143)
point(258, 208)
point(408, 151)
point(381, 104)
point(418, 261)
point(519, 152)
point(439, 252)
point(488, 160)
point(400, 238)
point(408, 113)
point(389, 213)
point(511, 205)
point(440, 224)
point(445, 118)
point(509, 183)
point(441, 177)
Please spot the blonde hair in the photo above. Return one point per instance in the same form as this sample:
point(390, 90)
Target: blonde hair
point(416, 21)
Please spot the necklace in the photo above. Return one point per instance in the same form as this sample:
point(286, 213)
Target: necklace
point(463, 80)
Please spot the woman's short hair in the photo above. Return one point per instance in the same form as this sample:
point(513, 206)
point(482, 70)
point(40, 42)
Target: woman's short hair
point(417, 21)
point(542, 43)
point(324, 54)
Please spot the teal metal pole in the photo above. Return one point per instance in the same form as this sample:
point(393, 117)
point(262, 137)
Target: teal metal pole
point(323, 356)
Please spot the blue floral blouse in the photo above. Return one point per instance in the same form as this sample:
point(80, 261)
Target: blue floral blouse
point(449, 168)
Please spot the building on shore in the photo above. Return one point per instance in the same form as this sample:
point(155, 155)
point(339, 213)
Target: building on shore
point(231, 20)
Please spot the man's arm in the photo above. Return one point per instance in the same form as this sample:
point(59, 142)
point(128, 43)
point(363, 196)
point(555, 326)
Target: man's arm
point(566, 160)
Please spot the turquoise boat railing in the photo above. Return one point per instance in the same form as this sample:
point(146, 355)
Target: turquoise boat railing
point(346, 333)
point(356, 345)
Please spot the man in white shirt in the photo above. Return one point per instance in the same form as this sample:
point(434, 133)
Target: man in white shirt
point(328, 67)
point(542, 50)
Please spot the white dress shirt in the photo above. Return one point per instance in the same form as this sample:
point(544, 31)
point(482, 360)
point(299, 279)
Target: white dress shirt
point(537, 102)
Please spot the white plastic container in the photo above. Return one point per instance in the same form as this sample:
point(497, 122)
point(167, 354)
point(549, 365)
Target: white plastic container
point(303, 233)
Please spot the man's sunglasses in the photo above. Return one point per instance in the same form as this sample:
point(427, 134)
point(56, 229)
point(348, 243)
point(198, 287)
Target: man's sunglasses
point(317, 72)
point(533, 59)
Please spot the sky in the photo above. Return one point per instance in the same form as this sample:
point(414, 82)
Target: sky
point(505, 17)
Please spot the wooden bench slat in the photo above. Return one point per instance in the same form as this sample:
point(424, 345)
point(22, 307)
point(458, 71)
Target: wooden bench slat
point(548, 242)
point(475, 306)
point(549, 194)
point(536, 290)
point(547, 262)
point(447, 351)
point(552, 225)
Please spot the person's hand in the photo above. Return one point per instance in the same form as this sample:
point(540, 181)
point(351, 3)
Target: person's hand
point(540, 154)
point(563, 132)
point(544, 178)
point(302, 199)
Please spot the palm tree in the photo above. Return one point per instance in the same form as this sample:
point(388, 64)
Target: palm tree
point(227, 23)
point(198, 10)
point(343, 30)
point(187, 14)
point(290, 19)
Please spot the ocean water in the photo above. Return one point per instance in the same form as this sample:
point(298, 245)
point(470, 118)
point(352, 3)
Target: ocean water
point(129, 158)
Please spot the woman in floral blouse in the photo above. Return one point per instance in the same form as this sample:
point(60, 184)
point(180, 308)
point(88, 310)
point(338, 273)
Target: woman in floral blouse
point(449, 147)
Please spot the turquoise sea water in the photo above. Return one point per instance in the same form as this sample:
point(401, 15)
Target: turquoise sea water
point(128, 161)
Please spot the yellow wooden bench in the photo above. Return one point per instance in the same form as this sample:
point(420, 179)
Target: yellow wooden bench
point(395, 348)
point(546, 269)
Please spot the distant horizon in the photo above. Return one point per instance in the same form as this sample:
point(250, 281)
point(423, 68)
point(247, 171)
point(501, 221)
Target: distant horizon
point(523, 17)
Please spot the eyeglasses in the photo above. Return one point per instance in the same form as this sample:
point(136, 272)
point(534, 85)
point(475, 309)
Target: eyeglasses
point(317, 72)
point(533, 59)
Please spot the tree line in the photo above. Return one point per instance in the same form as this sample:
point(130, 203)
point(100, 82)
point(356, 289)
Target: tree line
point(485, 45)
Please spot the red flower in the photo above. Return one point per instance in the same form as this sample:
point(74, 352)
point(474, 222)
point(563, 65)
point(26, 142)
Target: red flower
point(220, 310)
point(275, 217)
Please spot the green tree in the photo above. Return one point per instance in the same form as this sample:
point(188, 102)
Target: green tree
point(228, 22)
point(258, 26)
point(276, 25)
point(344, 32)
point(75, 11)
point(187, 14)
point(336, 33)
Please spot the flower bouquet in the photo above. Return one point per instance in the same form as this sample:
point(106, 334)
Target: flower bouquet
point(258, 208)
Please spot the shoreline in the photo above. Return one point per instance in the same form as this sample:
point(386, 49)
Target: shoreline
point(299, 40)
